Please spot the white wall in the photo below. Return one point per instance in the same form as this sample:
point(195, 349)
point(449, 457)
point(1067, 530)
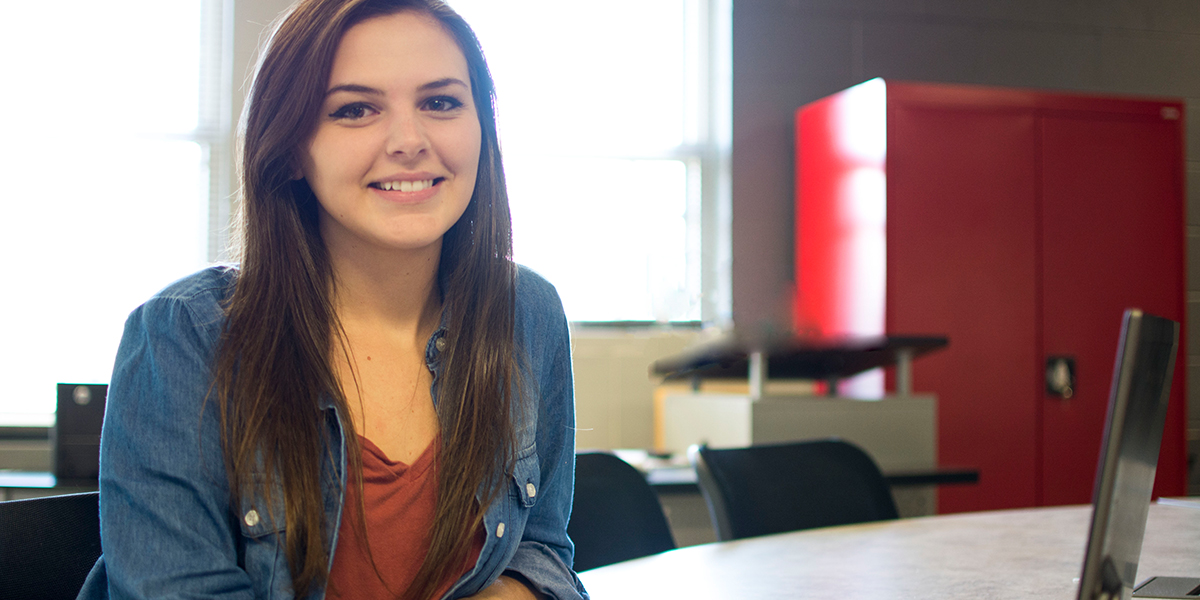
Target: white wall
point(613, 389)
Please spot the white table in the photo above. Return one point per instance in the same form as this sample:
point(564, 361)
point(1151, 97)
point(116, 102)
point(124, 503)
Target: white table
point(1018, 554)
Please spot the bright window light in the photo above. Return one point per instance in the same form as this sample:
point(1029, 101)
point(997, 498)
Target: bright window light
point(598, 115)
point(106, 180)
point(111, 134)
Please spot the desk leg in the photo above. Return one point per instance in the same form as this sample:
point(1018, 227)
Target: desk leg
point(904, 358)
point(758, 374)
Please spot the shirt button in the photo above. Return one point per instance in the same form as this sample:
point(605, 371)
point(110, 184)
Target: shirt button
point(251, 518)
point(440, 344)
point(529, 489)
point(500, 530)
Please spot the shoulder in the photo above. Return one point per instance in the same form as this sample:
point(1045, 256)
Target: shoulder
point(196, 301)
point(536, 297)
point(540, 321)
point(165, 354)
point(212, 284)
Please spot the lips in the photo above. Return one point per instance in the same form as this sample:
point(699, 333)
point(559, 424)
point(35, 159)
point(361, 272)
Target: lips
point(406, 186)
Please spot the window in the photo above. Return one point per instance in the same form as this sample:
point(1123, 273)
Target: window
point(606, 123)
point(111, 125)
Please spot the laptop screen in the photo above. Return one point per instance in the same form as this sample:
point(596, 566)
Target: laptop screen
point(1137, 411)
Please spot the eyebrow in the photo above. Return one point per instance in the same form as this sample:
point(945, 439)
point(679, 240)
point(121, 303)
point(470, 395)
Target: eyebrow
point(363, 89)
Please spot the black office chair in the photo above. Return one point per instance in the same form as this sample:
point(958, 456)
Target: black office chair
point(616, 515)
point(48, 545)
point(767, 489)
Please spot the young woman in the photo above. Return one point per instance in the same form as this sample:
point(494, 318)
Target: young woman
point(376, 403)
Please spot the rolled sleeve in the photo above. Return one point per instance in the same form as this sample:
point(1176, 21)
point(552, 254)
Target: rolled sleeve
point(544, 570)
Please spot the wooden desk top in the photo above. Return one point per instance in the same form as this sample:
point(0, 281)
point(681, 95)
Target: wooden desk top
point(1017, 554)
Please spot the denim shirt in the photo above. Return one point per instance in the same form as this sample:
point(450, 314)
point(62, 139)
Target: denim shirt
point(167, 527)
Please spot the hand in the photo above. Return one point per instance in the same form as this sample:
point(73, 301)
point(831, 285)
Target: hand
point(507, 588)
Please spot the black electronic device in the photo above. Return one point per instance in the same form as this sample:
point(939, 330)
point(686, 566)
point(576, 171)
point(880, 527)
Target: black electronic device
point(1137, 408)
point(75, 437)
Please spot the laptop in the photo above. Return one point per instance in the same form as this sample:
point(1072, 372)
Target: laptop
point(75, 437)
point(1137, 410)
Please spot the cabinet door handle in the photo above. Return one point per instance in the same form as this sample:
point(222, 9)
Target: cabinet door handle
point(1060, 376)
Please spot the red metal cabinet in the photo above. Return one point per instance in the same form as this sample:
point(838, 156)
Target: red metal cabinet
point(1020, 224)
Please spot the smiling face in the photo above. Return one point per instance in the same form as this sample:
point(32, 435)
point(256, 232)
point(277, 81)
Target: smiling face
point(394, 156)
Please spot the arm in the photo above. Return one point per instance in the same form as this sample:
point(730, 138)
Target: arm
point(545, 553)
point(166, 529)
point(508, 588)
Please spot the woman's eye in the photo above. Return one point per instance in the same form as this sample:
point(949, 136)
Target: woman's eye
point(443, 103)
point(357, 110)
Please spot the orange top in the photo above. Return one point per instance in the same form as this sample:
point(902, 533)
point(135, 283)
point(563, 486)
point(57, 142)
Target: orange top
point(400, 501)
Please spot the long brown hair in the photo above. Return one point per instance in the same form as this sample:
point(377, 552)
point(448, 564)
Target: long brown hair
point(274, 366)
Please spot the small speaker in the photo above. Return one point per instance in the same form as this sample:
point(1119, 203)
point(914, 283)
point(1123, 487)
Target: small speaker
point(75, 437)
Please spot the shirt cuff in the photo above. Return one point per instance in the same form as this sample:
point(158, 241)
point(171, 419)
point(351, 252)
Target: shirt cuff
point(545, 571)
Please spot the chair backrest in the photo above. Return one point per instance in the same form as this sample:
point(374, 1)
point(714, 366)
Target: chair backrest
point(48, 545)
point(616, 515)
point(774, 488)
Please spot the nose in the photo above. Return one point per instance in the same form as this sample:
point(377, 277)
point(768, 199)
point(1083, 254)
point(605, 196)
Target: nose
point(407, 136)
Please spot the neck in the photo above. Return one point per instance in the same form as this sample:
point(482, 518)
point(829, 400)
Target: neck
point(388, 290)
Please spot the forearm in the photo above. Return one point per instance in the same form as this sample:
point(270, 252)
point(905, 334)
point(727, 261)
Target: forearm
point(507, 588)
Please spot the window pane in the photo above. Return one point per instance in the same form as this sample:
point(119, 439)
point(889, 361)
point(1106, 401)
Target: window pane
point(593, 102)
point(611, 234)
point(108, 195)
point(119, 65)
point(605, 76)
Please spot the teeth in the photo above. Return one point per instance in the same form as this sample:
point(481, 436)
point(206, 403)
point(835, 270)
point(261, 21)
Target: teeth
point(406, 186)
